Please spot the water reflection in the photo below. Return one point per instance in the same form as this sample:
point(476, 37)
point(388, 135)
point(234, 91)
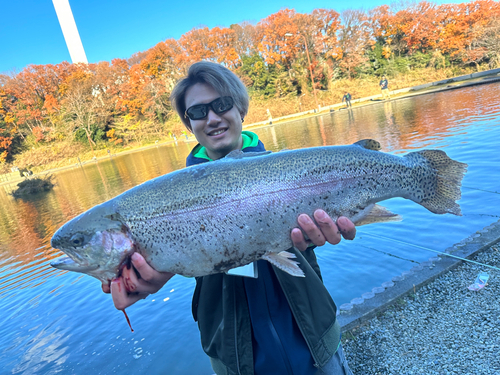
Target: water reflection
point(48, 349)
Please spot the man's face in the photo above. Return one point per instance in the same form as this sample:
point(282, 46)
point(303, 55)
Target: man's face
point(219, 133)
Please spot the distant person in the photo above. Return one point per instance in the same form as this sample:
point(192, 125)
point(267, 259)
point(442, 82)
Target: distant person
point(384, 83)
point(347, 99)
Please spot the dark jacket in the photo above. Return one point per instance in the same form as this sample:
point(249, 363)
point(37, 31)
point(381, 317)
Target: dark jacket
point(220, 306)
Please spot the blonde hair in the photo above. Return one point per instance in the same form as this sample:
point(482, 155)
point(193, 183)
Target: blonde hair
point(221, 79)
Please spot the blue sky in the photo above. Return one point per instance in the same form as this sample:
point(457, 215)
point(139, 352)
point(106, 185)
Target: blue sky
point(30, 32)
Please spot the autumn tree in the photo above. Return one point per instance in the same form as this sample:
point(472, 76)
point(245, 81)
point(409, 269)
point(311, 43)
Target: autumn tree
point(386, 30)
point(318, 35)
point(35, 93)
point(244, 39)
point(485, 44)
point(416, 23)
point(6, 133)
point(159, 73)
point(353, 40)
point(460, 26)
point(82, 106)
point(277, 38)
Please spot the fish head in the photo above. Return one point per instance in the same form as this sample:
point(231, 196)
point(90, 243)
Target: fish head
point(96, 243)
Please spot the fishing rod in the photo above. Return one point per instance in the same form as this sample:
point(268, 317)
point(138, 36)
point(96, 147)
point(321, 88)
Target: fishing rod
point(486, 191)
point(489, 215)
point(434, 251)
point(388, 254)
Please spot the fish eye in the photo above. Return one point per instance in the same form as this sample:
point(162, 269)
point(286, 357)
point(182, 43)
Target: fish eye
point(77, 240)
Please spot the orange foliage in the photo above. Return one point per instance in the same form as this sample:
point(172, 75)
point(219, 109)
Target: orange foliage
point(38, 133)
point(45, 99)
point(274, 46)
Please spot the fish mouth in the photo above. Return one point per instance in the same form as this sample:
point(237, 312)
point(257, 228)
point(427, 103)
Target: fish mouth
point(68, 264)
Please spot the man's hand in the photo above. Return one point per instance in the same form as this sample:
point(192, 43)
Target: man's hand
point(326, 230)
point(130, 288)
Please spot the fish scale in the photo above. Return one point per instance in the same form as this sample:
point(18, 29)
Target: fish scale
point(216, 216)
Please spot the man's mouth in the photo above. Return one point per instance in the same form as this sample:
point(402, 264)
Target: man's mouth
point(216, 132)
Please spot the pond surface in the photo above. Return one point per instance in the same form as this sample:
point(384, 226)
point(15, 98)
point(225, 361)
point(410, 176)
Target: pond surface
point(60, 322)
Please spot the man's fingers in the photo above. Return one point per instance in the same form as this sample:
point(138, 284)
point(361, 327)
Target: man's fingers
point(121, 298)
point(346, 227)
point(298, 239)
point(106, 288)
point(145, 270)
point(150, 280)
point(327, 227)
point(321, 230)
point(135, 283)
point(130, 279)
point(311, 230)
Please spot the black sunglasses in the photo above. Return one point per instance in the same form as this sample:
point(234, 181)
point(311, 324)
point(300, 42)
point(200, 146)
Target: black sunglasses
point(219, 105)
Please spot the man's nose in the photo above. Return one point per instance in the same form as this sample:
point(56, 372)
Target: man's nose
point(212, 117)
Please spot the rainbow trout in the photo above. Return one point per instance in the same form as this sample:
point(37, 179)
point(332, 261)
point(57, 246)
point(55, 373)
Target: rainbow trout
point(216, 216)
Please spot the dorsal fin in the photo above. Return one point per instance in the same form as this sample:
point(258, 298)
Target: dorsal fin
point(238, 154)
point(369, 144)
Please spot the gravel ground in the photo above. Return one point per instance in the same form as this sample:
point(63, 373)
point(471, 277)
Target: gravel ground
point(442, 328)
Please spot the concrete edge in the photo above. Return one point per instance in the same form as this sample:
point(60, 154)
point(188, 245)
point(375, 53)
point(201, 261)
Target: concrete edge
point(360, 310)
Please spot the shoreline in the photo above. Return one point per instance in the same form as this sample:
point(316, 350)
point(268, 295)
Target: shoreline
point(430, 322)
point(485, 77)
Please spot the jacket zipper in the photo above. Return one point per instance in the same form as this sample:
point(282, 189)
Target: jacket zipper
point(277, 338)
point(292, 309)
point(235, 333)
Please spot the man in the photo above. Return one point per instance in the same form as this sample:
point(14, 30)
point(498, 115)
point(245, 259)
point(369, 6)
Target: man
point(347, 99)
point(275, 323)
point(384, 87)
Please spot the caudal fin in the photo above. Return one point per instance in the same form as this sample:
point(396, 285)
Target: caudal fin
point(449, 180)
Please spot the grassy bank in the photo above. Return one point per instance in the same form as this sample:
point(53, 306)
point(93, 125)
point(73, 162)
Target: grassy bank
point(358, 88)
point(65, 153)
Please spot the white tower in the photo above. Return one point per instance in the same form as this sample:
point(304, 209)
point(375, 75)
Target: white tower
point(70, 31)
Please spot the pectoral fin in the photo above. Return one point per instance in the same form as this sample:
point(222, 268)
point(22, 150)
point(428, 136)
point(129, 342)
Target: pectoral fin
point(378, 214)
point(283, 260)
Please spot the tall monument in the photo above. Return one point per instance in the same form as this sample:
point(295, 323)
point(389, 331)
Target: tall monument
point(70, 32)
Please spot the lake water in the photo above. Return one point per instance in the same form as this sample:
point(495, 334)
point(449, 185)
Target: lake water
point(60, 322)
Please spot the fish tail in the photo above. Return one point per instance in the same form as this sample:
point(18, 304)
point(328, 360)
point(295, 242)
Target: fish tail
point(446, 189)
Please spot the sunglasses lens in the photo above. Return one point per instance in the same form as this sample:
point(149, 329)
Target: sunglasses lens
point(197, 112)
point(219, 105)
point(222, 104)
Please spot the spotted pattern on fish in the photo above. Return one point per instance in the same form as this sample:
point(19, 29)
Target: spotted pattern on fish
point(215, 216)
